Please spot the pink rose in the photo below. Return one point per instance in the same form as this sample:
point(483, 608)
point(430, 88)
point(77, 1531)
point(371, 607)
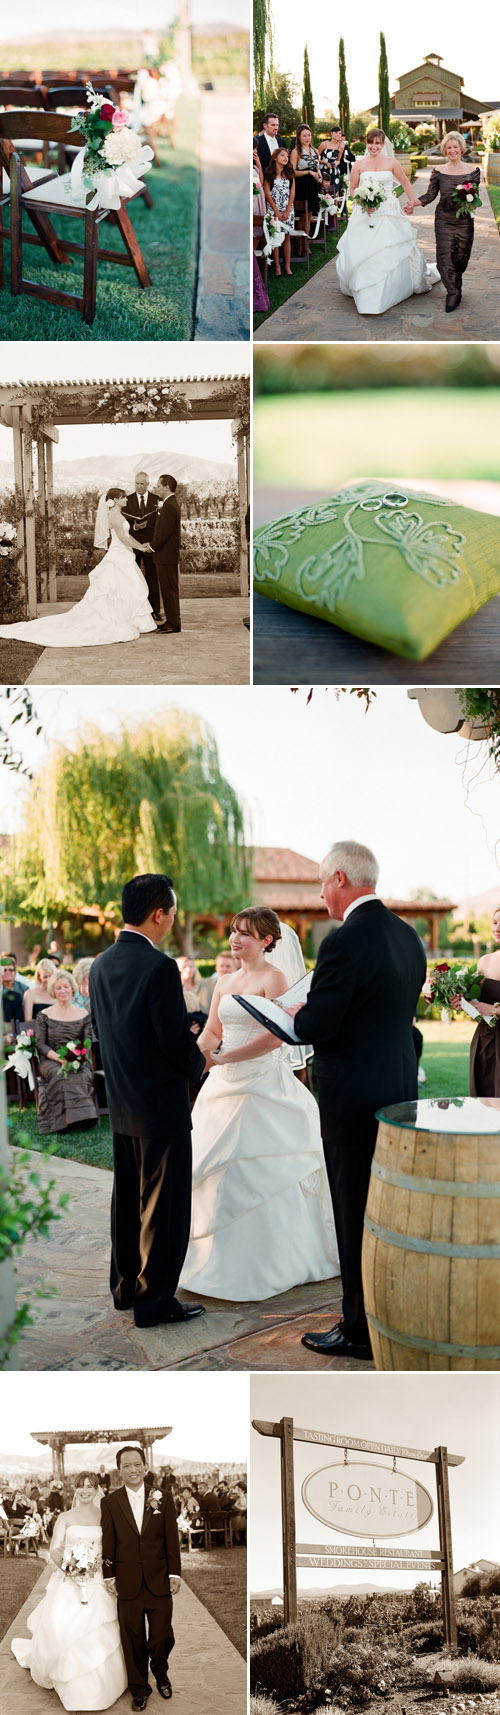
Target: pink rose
point(119, 119)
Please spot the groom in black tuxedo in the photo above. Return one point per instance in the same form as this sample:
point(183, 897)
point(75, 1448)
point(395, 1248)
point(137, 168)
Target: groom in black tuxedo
point(166, 549)
point(141, 1561)
point(358, 1015)
point(141, 512)
point(148, 1055)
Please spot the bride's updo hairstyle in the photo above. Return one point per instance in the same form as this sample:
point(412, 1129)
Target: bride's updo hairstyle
point(453, 137)
point(375, 135)
point(260, 922)
point(116, 494)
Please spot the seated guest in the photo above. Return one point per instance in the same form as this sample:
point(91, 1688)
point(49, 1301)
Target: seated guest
point(306, 164)
point(20, 982)
point(225, 964)
point(336, 161)
point(12, 996)
point(259, 202)
point(268, 139)
point(81, 977)
point(38, 997)
point(190, 985)
point(279, 186)
point(63, 1100)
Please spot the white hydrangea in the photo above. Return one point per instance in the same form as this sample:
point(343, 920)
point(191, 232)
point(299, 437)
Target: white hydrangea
point(121, 146)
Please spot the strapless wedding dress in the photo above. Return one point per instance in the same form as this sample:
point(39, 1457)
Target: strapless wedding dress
point(75, 1647)
point(378, 259)
point(115, 608)
point(262, 1217)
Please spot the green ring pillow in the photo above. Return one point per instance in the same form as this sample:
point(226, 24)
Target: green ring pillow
point(396, 566)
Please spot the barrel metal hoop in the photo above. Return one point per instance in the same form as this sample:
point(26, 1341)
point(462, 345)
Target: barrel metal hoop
point(437, 1187)
point(444, 1347)
point(431, 1247)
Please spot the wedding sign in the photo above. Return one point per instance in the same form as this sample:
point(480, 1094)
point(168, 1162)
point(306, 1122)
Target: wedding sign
point(367, 1500)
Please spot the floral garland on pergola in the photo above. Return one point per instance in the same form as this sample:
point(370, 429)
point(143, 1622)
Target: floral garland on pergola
point(140, 401)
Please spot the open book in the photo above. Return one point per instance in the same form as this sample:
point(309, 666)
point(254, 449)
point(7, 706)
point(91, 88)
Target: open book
point(270, 1013)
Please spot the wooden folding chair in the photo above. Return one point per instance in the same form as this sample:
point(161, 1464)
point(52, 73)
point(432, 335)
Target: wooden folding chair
point(301, 229)
point(75, 95)
point(51, 196)
point(258, 244)
point(19, 95)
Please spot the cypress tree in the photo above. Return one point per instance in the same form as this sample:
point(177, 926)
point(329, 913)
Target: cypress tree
point(384, 94)
point(307, 94)
point(344, 109)
point(262, 48)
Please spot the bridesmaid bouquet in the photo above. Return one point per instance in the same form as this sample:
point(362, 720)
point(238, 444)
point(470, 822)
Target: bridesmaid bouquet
point(80, 1562)
point(466, 198)
point(370, 195)
point(448, 985)
point(72, 1055)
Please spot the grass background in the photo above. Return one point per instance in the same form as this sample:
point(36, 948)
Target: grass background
point(168, 236)
point(323, 439)
point(445, 1061)
point(17, 1580)
point(219, 1580)
point(279, 290)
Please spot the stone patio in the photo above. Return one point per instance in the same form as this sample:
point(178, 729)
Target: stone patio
point(213, 648)
point(79, 1329)
point(207, 1671)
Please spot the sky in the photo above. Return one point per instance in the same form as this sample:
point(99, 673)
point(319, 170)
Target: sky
point(208, 1413)
point(424, 1411)
point(123, 15)
point(425, 802)
point(408, 38)
point(195, 440)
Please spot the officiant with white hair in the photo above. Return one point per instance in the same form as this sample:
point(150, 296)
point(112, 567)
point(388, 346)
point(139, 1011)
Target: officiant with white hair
point(141, 513)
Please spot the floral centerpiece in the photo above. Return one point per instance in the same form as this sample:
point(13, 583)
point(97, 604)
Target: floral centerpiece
point(466, 198)
point(21, 1060)
point(72, 1056)
point(113, 161)
point(370, 195)
point(8, 534)
point(448, 985)
point(80, 1562)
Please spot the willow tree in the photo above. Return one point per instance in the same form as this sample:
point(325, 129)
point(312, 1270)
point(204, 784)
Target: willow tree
point(152, 799)
point(344, 108)
point(384, 94)
point(307, 94)
point(262, 48)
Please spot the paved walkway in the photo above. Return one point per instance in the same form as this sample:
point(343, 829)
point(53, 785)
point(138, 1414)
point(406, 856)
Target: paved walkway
point(213, 648)
point(223, 297)
point(320, 311)
point(207, 1671)
point(79, 1329)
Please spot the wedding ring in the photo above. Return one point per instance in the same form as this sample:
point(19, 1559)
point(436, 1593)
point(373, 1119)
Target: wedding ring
point(394, 498)
point(370, 505)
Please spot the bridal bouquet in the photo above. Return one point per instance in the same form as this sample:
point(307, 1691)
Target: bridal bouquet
point(448, 985)
point(466, 198)
point(370, 195)
point(72, 1055)
point(80, 1562)
point(21, 1060)
point(112, 164)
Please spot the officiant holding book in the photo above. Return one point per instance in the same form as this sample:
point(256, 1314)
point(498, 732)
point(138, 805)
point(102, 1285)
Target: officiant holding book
point(141, 512)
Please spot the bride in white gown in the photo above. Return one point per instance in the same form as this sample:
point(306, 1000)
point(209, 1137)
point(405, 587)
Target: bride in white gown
point(378, 259)
point(75, 1646)
point(262, 1217)
point(115, 608)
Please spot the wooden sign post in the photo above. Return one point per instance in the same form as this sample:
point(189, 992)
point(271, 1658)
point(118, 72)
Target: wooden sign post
point(326, 1557)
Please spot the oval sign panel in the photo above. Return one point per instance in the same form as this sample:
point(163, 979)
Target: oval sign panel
point(367, 1500)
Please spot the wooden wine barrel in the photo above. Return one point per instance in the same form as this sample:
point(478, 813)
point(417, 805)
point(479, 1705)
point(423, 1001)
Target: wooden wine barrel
point(491, 167)
point(431, 1246)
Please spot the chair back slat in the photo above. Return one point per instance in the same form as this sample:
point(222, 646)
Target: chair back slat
point(51, 127)
point(16, 96)
point(69, 95)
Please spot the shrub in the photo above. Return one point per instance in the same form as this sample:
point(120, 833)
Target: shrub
point(425, 1637)
point(288, 1661)
point(473, 1674)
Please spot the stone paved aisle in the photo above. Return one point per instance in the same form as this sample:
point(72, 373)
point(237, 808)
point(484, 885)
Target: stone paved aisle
point(80, 1330)
point(213, 648)
point(319, 311)
point(208, 1674)
point(223, 299)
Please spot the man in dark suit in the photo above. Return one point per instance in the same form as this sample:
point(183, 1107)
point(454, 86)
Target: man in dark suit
point(148, 1055)
point(141, 1561)
point(142, 507)
point(358, 1015)
point(166, 548)
point(268, 140)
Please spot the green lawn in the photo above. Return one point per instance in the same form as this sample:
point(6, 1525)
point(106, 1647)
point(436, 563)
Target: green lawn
point(168, 236)
point(218, 1579)
point(494, 196)
point(445, 1060)
point(93, 1146)
point(406, 432)
point(17, 661)
point(18, 1577)
point(280, 290)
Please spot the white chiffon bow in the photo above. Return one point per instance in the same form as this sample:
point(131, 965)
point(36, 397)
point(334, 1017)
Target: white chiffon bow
point(114, 184)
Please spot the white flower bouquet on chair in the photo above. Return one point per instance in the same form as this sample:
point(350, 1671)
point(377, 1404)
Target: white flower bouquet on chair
point(112, 164)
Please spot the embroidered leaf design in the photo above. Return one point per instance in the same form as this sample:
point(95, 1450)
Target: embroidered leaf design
point(336, 569)
point(432, 550)
point(273, 542)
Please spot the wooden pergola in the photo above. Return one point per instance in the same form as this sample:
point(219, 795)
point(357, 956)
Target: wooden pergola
point(35, 411)
point(58, 1439)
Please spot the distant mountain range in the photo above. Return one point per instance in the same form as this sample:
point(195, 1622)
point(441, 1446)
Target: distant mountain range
point(215, 28)
point(479, 904)
point(323, 1592)
point(100, 472)
point(84, 1457)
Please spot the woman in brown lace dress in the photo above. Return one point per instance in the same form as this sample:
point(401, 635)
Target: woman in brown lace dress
point(484, 1074)
point(63, 1100)
point(454, 237)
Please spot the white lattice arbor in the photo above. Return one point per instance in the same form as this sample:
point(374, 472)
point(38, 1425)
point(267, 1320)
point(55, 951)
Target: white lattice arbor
point(58, 1439)
point(35, 411)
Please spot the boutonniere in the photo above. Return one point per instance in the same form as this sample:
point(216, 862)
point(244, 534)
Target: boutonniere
point(153, 1503)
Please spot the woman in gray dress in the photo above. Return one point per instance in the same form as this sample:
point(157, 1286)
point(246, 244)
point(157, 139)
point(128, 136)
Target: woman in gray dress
point(64, 1099)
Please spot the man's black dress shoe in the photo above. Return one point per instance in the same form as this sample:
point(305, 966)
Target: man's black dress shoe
point(139, 1702)
point(165, 1689)
point(169, 628)
point(334, 1341)
point(171, 1312)
point(123, 1303)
